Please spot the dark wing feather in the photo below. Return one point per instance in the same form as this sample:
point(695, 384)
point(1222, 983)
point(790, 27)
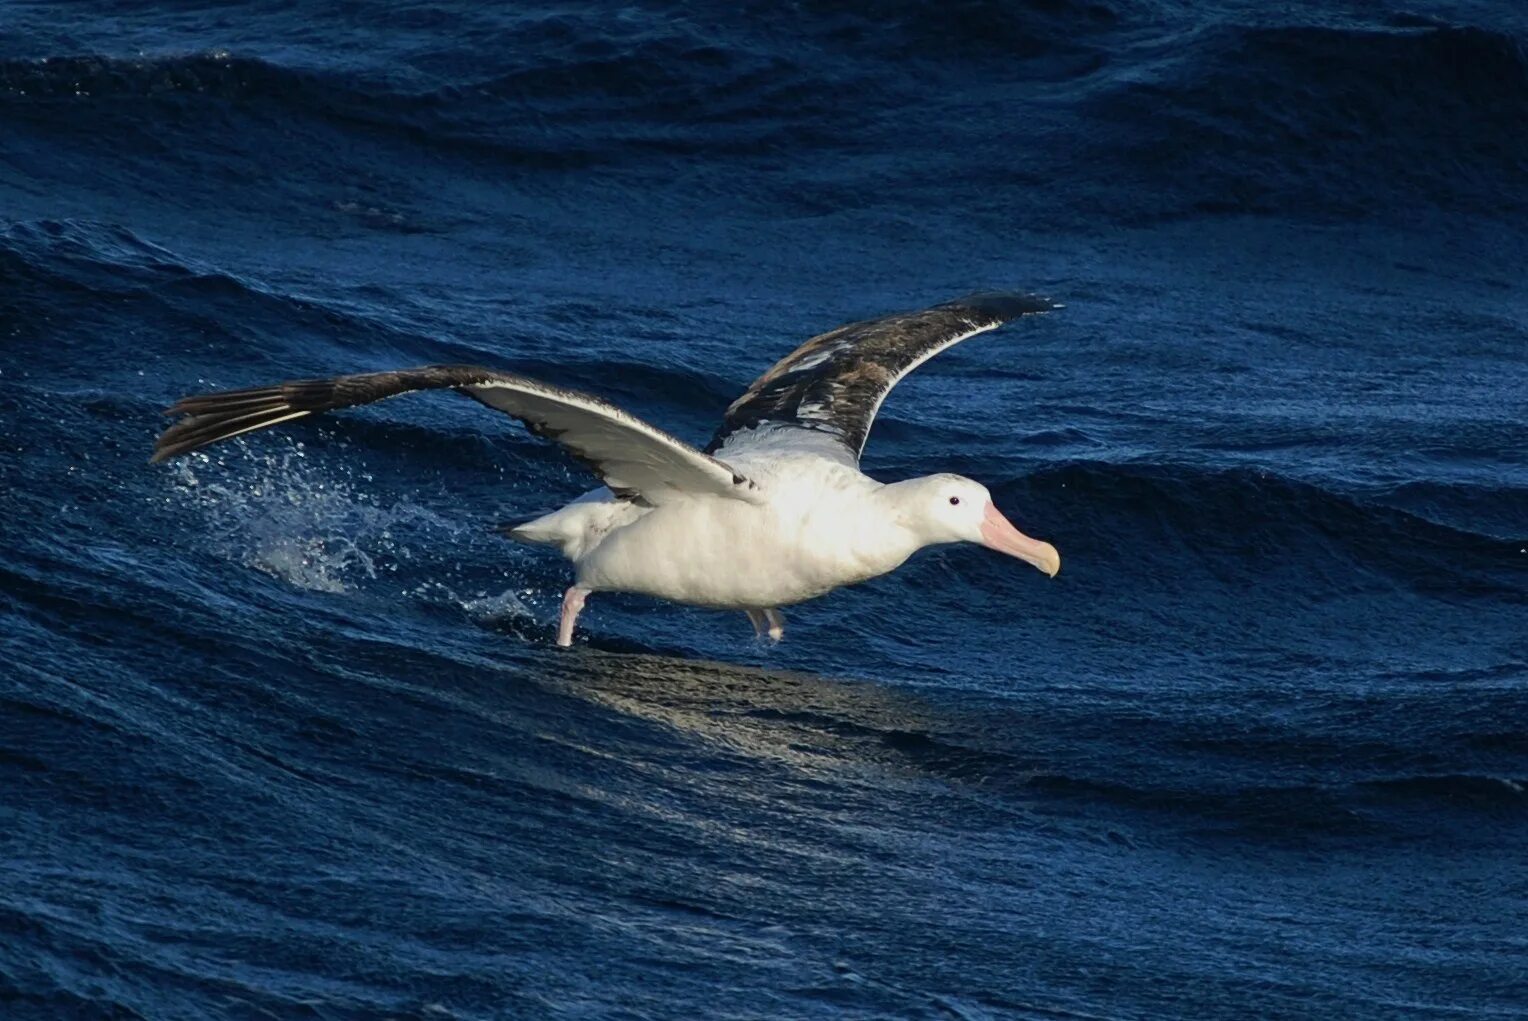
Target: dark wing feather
point(630, 456)
point(833, 384)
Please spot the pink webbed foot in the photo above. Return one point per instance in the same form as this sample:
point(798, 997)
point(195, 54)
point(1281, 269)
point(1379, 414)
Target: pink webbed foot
point(767, 624)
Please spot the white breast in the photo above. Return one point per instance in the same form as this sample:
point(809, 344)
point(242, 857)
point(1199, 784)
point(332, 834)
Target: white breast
point(819, 527)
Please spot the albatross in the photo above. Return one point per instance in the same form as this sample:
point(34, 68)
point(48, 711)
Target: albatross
point(772, 512)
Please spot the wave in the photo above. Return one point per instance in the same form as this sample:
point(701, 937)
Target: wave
point(1324, 120)
point(96, 260)
point(1403, 806)
point(562, 109)
point(217, 74)
point(1268, 775)
point(1304, 120)
point(104, 272)
point(1253, 525)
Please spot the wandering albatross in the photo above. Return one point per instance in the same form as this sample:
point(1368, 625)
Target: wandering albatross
point(773, 511)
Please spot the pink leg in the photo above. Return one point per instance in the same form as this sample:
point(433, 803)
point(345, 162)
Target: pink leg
point(572, 603)
point(760, 623)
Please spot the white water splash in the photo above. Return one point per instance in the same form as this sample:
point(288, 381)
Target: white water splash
point(483, 607)
point(282, 514)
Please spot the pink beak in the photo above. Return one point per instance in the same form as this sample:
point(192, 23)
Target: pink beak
point(998, 533)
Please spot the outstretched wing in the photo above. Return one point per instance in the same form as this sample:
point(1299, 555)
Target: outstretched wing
point(831, 387)
point(633, 458)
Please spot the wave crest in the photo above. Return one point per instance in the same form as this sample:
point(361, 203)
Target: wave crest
point(1326, 120)
point(1254, 524)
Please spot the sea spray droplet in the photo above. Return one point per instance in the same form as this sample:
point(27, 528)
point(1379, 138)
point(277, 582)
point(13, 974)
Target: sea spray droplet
point(288, 516)
point(506, 605)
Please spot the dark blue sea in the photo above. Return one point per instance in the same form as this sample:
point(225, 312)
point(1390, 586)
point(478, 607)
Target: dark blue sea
point(283, 732)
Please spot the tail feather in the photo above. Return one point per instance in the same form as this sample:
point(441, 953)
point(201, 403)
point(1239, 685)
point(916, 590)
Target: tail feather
point(576, 528)
point(527, 532)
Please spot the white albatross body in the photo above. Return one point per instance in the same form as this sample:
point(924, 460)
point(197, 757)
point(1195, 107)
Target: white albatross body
point(821, 526)
point(774, 513)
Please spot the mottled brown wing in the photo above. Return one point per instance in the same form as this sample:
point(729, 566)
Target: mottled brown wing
point(630, 456)
point(831, 387)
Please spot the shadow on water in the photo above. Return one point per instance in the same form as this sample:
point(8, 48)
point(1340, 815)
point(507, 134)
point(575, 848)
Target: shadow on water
point(816, 725)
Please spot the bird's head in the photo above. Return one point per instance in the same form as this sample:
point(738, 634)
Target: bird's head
point(952, 508)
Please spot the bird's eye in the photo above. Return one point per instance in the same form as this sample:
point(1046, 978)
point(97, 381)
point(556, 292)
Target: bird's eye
point(954, 501)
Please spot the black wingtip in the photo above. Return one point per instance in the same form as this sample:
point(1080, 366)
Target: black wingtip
point(1005, 305)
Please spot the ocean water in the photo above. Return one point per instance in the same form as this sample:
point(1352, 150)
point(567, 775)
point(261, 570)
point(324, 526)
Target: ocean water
point(283, 733)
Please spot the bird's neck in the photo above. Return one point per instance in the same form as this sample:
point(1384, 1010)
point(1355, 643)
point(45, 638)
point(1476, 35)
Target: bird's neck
point(894, 533)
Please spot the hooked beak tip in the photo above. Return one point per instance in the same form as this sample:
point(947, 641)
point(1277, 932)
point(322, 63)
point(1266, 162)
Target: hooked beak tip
point(999, 534)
